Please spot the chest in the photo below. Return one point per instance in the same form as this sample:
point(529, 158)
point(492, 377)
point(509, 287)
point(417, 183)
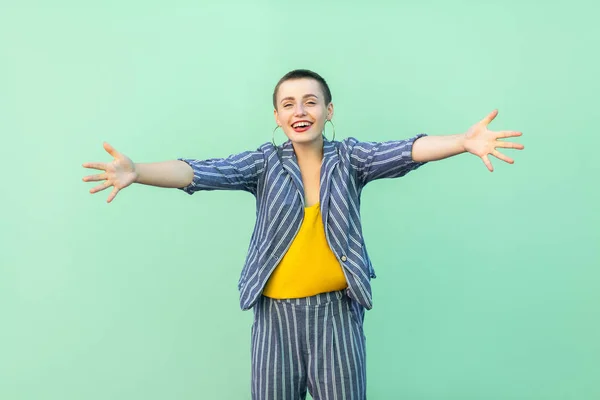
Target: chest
point(311, 177)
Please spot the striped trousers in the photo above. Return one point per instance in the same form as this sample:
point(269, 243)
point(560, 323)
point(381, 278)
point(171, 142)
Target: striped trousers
point(315, 343)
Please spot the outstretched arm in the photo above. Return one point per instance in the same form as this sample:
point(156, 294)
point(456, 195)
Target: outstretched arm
point(478, 140)
point(236, 172)
point(122, 172)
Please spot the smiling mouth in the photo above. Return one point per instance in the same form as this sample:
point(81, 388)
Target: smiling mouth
point(301, 126)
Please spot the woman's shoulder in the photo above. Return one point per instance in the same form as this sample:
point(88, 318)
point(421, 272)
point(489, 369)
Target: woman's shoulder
point(347, 144)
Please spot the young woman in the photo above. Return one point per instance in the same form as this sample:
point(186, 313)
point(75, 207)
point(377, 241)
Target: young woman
point(307, 273)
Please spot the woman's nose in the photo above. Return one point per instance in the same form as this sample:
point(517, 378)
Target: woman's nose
point(299, 110)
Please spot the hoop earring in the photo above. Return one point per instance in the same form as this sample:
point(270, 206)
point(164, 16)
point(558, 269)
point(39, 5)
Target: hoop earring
point(333, 126)
point(273, 139)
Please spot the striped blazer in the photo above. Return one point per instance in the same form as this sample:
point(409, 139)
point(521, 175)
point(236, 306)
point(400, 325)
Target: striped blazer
point(273, 176)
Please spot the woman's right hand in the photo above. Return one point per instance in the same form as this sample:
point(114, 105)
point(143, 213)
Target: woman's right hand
point(118, 173)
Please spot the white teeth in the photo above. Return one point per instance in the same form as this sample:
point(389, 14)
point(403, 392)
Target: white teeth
point(301, 124)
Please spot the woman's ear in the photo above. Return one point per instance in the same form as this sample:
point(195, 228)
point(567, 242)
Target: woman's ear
point(276, 118)
point(330, 111)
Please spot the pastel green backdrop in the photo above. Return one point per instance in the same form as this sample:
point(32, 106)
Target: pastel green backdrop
point(488, 283)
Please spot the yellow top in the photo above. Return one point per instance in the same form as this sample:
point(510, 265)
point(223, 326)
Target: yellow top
point(309, 267)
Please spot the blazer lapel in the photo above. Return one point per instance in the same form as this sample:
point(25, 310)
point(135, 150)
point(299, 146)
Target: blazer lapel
point(290, 164)
point(330, 160)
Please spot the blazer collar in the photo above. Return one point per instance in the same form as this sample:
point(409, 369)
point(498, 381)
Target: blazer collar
point(329, 152)
point(290, 164)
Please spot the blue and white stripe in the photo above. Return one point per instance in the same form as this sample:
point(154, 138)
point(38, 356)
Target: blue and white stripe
point(273, 176)
point(315, 343)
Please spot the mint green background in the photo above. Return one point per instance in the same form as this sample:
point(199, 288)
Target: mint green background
point(488, 284)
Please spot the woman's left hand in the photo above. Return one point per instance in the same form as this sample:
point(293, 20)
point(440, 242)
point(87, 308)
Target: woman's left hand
point(480, 141)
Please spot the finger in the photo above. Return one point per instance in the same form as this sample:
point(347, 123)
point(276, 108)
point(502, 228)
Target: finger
point(502, 157)
point(487, 163)
point(509, 145)
point(100, 187)
point(112, 195)
point(94, 178)
point(490, 117)
point(506, 134)
point(111, 150)
point(95, 165)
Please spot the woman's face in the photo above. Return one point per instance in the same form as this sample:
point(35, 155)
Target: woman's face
point(301, 110)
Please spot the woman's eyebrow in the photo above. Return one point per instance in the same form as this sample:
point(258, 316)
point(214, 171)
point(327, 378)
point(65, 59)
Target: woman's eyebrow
point(305, 96)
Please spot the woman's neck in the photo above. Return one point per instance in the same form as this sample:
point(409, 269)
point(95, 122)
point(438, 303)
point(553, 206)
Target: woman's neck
point(309, 153)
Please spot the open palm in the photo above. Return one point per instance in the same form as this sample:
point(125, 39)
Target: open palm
point(480, 141)
point(118, 173)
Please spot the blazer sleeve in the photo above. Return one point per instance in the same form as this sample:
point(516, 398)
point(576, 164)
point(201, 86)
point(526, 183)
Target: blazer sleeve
point(378, 160)
point(239, 171)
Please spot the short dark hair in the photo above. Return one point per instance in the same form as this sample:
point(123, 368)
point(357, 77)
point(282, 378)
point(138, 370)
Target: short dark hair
point(299, 74)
